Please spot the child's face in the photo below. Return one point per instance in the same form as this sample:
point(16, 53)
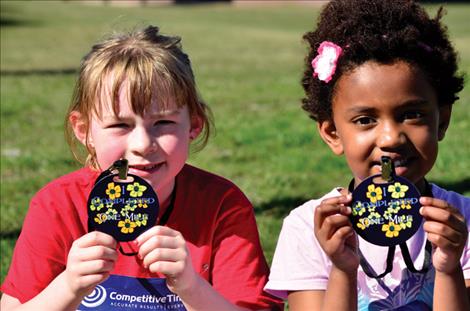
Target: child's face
point(386, 110)
point(155, 144)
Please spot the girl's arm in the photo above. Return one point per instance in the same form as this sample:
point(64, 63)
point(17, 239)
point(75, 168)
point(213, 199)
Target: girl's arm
point(55, 297)
point(89, 262)
point(336, 237)
point(341, 294)
point(447, 231)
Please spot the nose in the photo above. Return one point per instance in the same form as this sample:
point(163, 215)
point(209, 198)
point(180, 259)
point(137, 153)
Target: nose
point(141, 141)
point(390, 136)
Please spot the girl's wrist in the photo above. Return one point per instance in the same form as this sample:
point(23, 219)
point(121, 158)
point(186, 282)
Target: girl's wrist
point(185, 286)
point(456, 272)
point(349, 273)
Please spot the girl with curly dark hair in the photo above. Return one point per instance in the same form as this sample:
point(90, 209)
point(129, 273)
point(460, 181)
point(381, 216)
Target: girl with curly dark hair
point(380, 81)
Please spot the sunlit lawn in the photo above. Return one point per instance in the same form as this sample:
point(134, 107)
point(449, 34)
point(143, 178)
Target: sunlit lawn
point(248, 63)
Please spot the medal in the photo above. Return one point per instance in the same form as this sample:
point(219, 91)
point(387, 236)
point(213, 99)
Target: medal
point(385, 212)
point(121, 204)
point(385, 208)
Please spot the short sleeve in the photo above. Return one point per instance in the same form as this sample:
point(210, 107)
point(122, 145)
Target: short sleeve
point(49, 229)
point(239, 269)
point(299, 263)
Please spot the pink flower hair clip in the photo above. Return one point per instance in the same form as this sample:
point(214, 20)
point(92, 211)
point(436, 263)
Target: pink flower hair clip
point(324, 65)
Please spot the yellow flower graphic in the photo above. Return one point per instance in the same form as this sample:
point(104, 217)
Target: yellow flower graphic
point(391, 230)
point(398, 190)
point(363, 224)
point(406, 224)
point(141, 204)
point(111, 212)
point(141, 220)
point(393, 207)
point(113, 191)
point(405, 205)
point(99, 219)
point(374, 215)
point(374, 193)
point(96, 204)
point(126, 226)
point(136, 189)
point(358, 209)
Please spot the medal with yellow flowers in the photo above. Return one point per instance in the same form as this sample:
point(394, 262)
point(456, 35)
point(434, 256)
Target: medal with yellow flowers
point(385, 212)
point(121, 204)
point(385, 208)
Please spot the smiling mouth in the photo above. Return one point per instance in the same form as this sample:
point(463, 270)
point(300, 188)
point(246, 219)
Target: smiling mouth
point(148, 167)
point(401, 162)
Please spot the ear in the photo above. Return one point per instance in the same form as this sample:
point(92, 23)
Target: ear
point(80, 128)
point(330, 136)
point(444, 120)
point(196, 127)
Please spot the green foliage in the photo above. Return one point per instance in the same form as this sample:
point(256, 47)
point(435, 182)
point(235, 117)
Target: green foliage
point(248, 64)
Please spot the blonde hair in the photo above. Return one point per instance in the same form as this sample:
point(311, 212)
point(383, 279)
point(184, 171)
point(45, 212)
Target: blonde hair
point(152, 65)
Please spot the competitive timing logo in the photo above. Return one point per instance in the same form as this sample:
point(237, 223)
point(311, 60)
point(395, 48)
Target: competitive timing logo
point(96, 298)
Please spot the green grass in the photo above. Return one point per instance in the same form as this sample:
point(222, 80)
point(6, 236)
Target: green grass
point(248, 63)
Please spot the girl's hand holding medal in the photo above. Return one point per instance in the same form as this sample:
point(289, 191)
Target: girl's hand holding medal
point(335, 234)
point(89, 262)
point(163, 250)
point(446, 230)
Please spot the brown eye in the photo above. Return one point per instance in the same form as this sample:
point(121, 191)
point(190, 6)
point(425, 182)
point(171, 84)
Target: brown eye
point(364, 121)
point(412, 115)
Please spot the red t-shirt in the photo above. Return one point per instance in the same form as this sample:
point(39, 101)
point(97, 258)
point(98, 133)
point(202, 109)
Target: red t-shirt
point(212, 214)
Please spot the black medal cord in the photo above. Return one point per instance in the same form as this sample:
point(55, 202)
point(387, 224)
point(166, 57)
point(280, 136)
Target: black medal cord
point(164, 219)
point(391, 250)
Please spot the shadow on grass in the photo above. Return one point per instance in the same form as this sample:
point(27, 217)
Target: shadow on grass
point(38, 72)
point(460, 186)
point(279, 207)
point(14, 234)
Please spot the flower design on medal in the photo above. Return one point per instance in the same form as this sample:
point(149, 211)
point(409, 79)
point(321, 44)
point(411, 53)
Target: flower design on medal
point(136, 189)
point(127, 226)
point(407, 223)
point(324, 64)
point(141, 204)
point(358, 209)
point(374, 193)
point(113, 191)
point(96, 204)
point(364, 223)
point(141, 220)
point(391, 229)
point(405, 205)
point(397, 190)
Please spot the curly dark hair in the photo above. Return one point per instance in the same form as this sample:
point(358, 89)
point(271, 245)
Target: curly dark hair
point(383, 31)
